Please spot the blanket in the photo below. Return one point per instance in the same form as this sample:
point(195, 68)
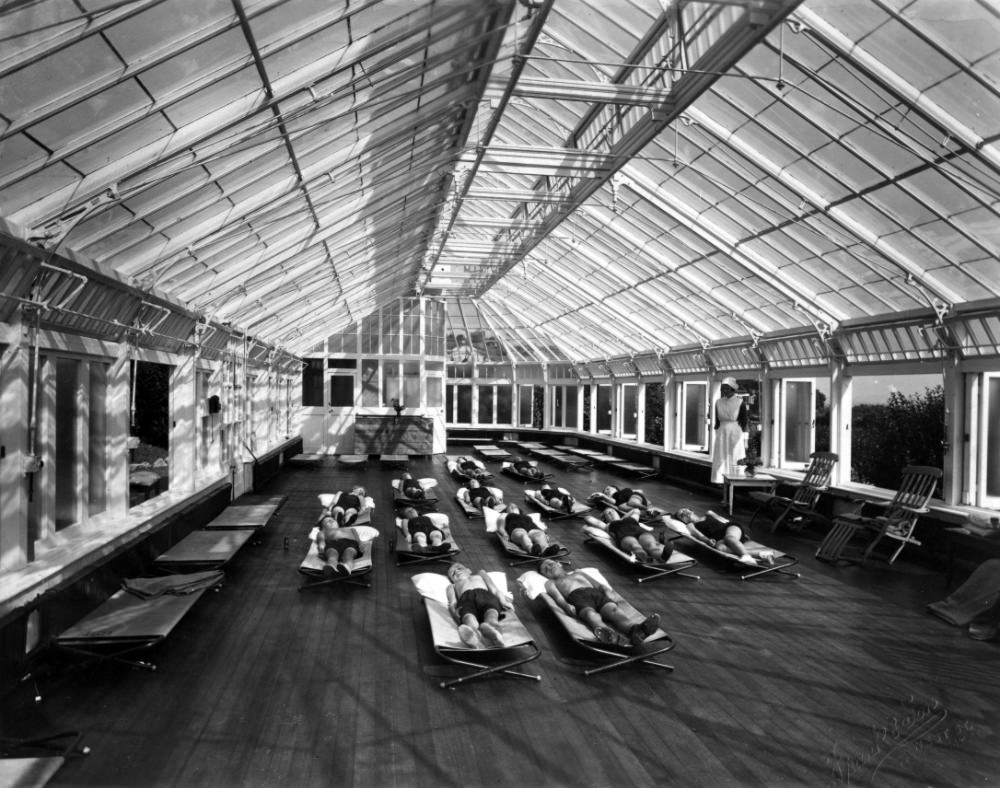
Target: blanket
point(151, 587)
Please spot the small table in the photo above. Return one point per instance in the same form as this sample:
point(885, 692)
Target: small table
point(758, 481)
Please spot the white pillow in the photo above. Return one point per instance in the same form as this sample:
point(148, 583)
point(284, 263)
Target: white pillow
point(432, 585)
point(532, 584)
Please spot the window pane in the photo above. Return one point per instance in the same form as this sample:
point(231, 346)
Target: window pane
point(434, 393)
point(524, 405)
point(604, 408)
point(464, 415)
point(369, 383)
point(799, 410)
point(630, 406)
point(390, 382)
point(98, 430)
point(485, 404)
point(342, 391)
point(505, 404)
point(312, 383)
point(694, 414)
point(993, 438)
point(654, 413)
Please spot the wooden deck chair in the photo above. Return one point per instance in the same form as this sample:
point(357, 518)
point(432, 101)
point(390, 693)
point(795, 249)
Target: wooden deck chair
point(897, 523)
point(519, 556)
point(518, 645)
point(407, 554)
point(532, 585)
point(312, 565)
point(767, 560)
point(676, 564)
point(795, 510)
point(429, 501)
point(535, 498)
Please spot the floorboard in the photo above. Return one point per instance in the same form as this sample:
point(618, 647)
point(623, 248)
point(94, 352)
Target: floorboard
point(838, 677)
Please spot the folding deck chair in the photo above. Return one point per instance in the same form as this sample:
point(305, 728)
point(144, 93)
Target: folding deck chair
point(676, 564)
point(408, 555)
point(201, 550)
point(535, 498)
point(508, 469)
point(401, 499)
point(518, 555)
point(312, 565)
point(746, 571)
point(533, 585)
point(897, 523)
point(799, 508)
point(519, 647)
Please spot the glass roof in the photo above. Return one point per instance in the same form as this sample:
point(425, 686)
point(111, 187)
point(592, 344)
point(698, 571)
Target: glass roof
point(584, 179)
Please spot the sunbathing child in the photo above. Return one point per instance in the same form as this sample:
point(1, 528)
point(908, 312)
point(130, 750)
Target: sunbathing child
point(337, 546)
point(477, 605)
point(580, 595)
point(477, 495)
point(557, 499)
point(718, 532)
point(624, 498)
point(631, 537)
point(521, 530)
point(422, 534)
point(411, 488)
point(526, 468)
point(472, 469)
point(345, 511)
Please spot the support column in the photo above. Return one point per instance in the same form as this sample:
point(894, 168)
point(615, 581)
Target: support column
point(14, 368)
point(183, 390)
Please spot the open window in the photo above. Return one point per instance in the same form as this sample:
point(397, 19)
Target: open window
point(693, 416)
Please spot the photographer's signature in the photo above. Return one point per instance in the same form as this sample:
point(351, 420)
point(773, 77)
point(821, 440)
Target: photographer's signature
point(902, 736)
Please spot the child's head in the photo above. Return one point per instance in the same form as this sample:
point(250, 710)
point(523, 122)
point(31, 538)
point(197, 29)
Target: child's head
point(684, 515)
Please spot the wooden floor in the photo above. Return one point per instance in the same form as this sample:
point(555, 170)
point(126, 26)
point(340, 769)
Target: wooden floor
point(838, 677)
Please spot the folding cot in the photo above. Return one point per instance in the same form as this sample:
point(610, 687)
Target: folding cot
point(603, 500)
point(247, 515)
point(571, 462)
point(533, 585)
point(534, 497)
point(470, 509)
point(394, 460)
point(518, 645)
point(642, 471)
point(138, 616)
point(508, 469)
point(491, 452)
point(329, 500)
point(519, 556)
point(462, 476)
point(310, 461)
point(353, 460)
point(676, 564)
point(400, 499)
point(312, 565)
point(747, 571)
point(407, 554)
point(33, 762)
point(201, 550)
point(530, 446)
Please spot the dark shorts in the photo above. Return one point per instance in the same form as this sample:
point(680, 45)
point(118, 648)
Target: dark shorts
point(422, 525)
point(587, 597)
point(340, 545)
point(415, 491)
point(349, 501)
point(620, 529)
point(476, 601)
point(557, 500)
point(715, 529)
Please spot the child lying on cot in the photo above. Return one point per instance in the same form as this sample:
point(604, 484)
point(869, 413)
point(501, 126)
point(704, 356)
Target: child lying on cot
point(624, 498)
point(421, 532)
point(477, 605)
point(345, 511)
point(477, 495)
point(337, 546)
point(718, 532)
point(527, 468)
point(472, 469)
point(557, 499)
point(411, 488)
point(521, 530)
point(630, 536)
point(580, 595)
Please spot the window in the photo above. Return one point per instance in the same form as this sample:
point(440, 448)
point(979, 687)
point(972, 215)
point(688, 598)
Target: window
point(369, 383)
point(485, 404)
point(654, 413)
point(630, 409)
point(798, 420)
point(97, 431)
point(989, 451)
point(341, 391)
point(603, 408)
point(572, 410)
point(524, 406)
point(505, 404)
point(463, 405)
point(694, 411)
point(411, 384)
point(390, 382)
point(312, 383)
